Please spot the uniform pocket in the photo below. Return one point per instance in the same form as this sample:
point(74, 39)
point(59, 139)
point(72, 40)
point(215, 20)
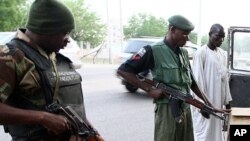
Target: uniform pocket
point(171, 73)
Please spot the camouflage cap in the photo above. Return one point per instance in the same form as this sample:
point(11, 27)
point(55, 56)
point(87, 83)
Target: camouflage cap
point(181, 22)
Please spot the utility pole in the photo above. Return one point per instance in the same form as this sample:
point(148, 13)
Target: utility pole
point(200, 24)
point(121, 24)
point(109, 33)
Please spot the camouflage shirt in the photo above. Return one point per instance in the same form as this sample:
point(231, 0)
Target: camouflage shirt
point(17, 71)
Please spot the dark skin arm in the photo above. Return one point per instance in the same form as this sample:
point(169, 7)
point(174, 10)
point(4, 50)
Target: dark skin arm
point(131, 78)
point(55, 124)
point(98, 137)
point(195, 88)
point(201, 95)
point(157, 93)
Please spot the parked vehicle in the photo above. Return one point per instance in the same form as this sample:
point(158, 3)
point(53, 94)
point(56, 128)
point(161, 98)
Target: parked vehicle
point(191, 48)
point(135, 44)
point(238, 64)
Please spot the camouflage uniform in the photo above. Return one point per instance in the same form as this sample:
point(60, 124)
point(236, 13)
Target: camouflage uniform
point(18, 70)
point(21, 86)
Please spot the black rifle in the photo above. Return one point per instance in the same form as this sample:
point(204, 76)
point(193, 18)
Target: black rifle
point(225, 125)
point(173, 93)
point(78, 126)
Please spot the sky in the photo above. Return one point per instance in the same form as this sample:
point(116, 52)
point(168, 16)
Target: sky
point(203, 13)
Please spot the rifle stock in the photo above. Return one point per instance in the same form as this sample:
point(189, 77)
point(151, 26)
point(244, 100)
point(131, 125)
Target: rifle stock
point(171, 92)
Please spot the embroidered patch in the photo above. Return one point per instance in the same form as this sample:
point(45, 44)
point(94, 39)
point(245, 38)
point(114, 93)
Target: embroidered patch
point(139, 54)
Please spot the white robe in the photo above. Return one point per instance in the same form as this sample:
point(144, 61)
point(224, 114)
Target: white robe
point(211, 73)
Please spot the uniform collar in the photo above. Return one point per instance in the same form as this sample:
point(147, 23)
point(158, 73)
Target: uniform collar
point(176, 50)
point(22, 36)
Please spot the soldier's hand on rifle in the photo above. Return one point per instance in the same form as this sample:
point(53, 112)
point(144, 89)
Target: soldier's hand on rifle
point(96, 138)
point(156, 93)
point(228, 108)
point(75, 138)
point(226, 111)
point(223, 111)
point(55, 124)
point(99, 138)
point(91, 138)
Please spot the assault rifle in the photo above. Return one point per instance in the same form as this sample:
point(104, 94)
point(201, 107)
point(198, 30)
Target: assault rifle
point(78, 126)
point(225, 124)
point(175, 94)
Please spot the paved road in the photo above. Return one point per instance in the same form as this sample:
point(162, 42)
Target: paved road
point(117, 114)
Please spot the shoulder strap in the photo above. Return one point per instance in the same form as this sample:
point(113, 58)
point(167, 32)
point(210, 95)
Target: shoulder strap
point(41, 63)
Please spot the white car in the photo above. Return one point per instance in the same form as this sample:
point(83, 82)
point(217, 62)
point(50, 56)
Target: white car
point(133, 45)
point(72, 50)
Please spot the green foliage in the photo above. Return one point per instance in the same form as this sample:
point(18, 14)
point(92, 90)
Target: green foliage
point(89, 28)
point(145, 25)
point(193, 37)
point(13, 14)
point(204, 38)
point(241, 42)
point(148, 25)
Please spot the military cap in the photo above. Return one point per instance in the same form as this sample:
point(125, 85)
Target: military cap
point(181, 22)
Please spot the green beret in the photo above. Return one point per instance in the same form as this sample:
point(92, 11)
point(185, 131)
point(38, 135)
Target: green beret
point(49, 17)
point(181, 23)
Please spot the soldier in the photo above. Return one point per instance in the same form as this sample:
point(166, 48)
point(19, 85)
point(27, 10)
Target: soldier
point(169, 64)
point(33, 75)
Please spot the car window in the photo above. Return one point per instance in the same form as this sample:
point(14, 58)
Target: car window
point(241, 55)
point(134, 46)
point(191, 51)
point(5, 37)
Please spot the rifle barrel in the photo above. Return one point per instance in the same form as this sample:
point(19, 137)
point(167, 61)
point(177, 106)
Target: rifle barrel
point(188, 98)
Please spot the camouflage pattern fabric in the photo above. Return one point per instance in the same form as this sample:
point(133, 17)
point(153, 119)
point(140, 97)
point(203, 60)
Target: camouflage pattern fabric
point(17, 70)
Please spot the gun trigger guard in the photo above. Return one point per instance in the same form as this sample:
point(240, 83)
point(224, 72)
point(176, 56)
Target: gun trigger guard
point(140, 78)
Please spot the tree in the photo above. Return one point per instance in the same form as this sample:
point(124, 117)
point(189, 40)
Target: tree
point(193, 38)
point(89, 28)
point(145, 25)
point(13, 14)
point(148, 25)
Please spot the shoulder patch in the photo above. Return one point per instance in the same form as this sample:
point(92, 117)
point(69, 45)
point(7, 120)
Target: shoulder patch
point(139, 54)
